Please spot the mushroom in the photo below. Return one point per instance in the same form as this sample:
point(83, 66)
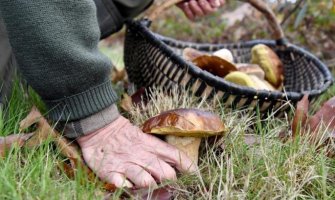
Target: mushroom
point(268, 60)
point(251, 69)
point(215, 65)
point(184, 128)
point(219, 64)
point(224, 54)
point(241, 78)
point(252, 81)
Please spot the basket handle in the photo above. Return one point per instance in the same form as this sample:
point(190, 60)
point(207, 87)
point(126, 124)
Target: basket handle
point(261, 6)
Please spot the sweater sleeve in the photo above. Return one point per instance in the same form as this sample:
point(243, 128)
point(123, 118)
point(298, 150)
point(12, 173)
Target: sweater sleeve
point(113, 13)
point(55, 43)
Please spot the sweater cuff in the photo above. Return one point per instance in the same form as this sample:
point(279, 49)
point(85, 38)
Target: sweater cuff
point(82, 105)
point(90, 124)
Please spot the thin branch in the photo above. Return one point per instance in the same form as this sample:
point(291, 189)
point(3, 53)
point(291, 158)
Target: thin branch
point(288, 15)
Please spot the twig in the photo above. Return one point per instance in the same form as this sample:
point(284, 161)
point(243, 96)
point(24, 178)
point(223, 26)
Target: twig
point(288, 15)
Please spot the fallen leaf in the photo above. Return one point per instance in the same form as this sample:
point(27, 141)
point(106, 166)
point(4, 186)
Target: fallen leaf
point(118, 75)
point(164, 193)
point(325, 116)
point(139, 96)
point(300, 117)
point(44, 131)
point(126, 102)
point(66, 148)
point(11, 140)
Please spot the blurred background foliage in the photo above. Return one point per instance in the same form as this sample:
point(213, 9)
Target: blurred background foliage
point(307, 23)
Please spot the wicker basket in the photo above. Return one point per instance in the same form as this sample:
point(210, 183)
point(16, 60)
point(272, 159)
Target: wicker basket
point(152, 59)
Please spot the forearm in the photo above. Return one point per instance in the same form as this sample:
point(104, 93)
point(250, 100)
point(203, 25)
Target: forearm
point(55, 43)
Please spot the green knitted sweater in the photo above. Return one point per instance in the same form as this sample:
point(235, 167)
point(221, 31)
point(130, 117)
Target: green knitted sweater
point(55, 43)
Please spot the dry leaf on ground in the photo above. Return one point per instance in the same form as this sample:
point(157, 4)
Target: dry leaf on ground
point(118, 75)
point(11, 140)
point(323, 118)
point(66, 148)
point(126, 102)
point(301, 115)
point(325, 115)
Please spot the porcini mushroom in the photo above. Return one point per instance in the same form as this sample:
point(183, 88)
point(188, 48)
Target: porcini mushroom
point(241, 78)
point(184, 128)
point(251, 69)
point(224, 54)
point(268, 60)
point(215, 65)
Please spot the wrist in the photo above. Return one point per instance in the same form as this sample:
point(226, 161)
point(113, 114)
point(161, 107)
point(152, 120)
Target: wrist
point(100, 135)
point(88, 125)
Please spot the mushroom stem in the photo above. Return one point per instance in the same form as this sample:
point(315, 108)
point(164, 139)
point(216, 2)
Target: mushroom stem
point(189, 145)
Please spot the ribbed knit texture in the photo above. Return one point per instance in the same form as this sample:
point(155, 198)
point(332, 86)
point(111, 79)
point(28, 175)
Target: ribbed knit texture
point(55, 43)
point(90, 124)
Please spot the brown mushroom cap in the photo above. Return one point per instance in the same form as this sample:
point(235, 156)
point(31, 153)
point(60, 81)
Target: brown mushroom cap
point(215, 65)
point(185, 122)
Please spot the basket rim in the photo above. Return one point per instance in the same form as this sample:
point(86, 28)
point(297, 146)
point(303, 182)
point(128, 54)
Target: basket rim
point(218, 82)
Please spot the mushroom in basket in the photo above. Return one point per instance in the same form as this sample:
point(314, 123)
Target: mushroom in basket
point(268, 60)
point(184, 128)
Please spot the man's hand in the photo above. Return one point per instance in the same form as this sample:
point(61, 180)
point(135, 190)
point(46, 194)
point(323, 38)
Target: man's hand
point(122, 154)
point(199, 8)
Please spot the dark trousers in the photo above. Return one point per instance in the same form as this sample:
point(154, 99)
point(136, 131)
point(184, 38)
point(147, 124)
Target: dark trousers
point(7, 64)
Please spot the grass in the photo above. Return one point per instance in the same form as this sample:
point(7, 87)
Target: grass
point(268, 170)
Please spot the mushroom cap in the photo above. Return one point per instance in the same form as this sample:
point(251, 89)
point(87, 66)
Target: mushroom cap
point(251, 69)
point(241, 78)
point(215, 65)
point(268, 60)
point(185, 122)
point(224, 54)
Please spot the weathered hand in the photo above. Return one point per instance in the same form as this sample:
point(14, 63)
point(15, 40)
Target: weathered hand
point(122, 154)
point(199, 8)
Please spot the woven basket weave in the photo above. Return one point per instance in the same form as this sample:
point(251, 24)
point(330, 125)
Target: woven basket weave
point(155, 60)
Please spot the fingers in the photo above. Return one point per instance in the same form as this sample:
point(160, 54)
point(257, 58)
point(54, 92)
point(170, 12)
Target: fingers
point(199, 8)
point(187, 10)
point(159, 169)
point(196, 9)
point(215, 3)
point(222, 2)
point(172, 155)
point(118, 180)
point(206, 7)
point(139, 176)
point(181, 161)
